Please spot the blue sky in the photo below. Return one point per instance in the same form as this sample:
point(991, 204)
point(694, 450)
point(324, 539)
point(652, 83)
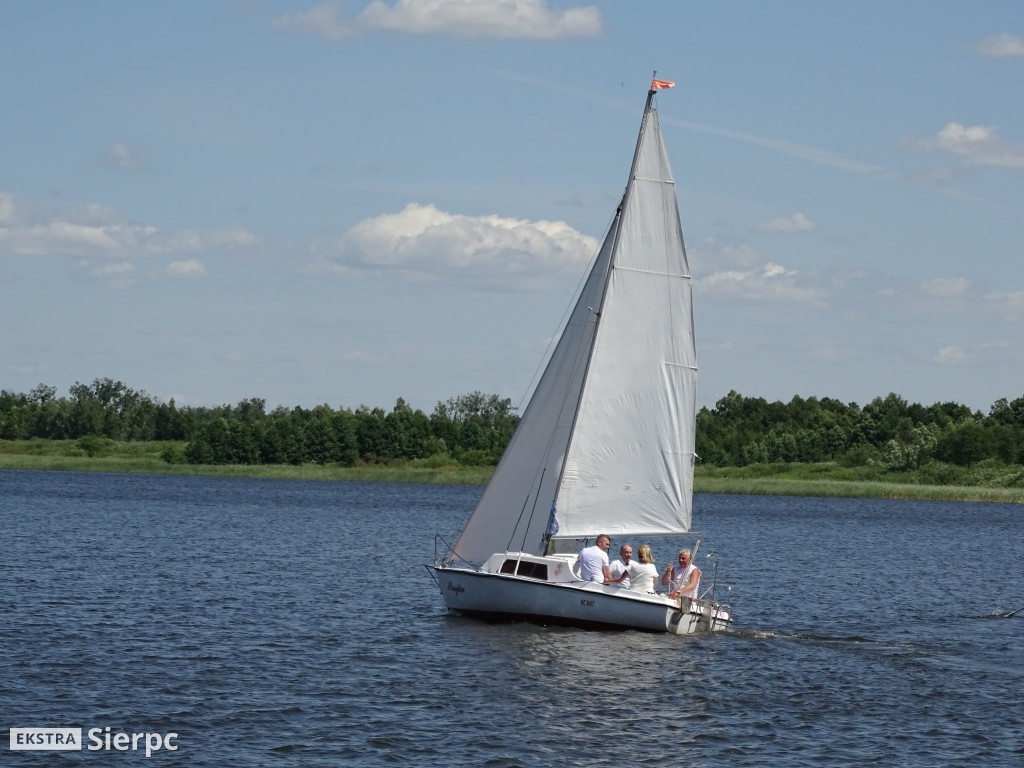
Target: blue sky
point(351, 202)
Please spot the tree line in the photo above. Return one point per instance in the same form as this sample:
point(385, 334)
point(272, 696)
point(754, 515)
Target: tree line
point(740, 431)
point(474, 429)
point(471, 429)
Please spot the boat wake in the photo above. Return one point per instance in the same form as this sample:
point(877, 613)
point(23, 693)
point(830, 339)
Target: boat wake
point(1003, 614)
point(801, 637)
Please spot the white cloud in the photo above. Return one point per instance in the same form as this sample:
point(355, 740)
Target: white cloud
point(197, 239)
point(124, 156)
point(524, 19)
point(187, 269)
point(63, 237)
point(1001, 46)
point(742, 273)
point(97, 213)
point(322, 19)
point(956, 295)
point(98, 231)
point(976, 144)
point(117, 274)
point(424, 244)
point(951, 355)
point(986, 353)
point(115, 269)
point(1009, 304)
point(798, 222)
point(945, 295)
point(946, 287)
point(7, 210)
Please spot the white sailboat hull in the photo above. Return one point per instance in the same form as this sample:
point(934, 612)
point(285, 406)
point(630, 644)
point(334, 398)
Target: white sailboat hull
point(578, 603)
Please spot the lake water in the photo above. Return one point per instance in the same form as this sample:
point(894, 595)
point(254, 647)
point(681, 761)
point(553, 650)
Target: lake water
point(282, 623)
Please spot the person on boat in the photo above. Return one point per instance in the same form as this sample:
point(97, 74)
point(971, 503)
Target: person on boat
point(684, 577)
point(594, 562)
point(644, 573)
point(621, 565)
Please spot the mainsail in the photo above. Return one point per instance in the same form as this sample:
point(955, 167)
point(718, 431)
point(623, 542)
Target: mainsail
point(606, 444)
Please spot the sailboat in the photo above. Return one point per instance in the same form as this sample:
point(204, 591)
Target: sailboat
point(606, 443)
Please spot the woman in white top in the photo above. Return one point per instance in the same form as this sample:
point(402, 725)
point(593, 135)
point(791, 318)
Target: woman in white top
point(643, 573)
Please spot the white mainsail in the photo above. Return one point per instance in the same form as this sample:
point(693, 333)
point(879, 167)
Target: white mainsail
point(606, 444)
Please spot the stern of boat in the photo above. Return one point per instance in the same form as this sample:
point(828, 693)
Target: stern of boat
point(692, 616)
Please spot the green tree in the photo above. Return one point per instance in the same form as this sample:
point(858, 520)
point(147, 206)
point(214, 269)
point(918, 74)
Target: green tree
point(1008, 413)
point(223, 441)
point(280, 439)
point(408, 431)
point(345, 437)
point(321, 444)
point(372, 435)
point(965, 444)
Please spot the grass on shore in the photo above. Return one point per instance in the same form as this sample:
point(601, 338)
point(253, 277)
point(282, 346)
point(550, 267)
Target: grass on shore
point(984, 483)
point(151, 458)
point(855, 489)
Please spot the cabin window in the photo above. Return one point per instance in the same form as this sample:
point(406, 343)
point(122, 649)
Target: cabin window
point(530, 570)
point(533, 570)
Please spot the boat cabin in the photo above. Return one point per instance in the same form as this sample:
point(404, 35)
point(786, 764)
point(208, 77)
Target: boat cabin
point(561, 568)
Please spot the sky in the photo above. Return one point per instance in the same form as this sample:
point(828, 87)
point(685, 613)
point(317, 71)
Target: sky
point(354, 202)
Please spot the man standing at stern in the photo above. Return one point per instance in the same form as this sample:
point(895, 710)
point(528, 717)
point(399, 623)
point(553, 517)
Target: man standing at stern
point(683, 578)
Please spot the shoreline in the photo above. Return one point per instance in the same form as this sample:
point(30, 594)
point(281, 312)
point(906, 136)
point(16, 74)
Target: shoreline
point(704, 482)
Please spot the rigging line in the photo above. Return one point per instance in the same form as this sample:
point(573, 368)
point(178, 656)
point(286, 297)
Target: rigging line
point(508, 544)
point(529, 521)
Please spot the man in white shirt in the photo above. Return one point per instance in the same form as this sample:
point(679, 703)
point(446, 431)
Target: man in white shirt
point(684, 578)
point(621, 566)
point(594, 561)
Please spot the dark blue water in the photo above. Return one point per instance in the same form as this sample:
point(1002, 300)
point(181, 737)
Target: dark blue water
point(279, 623)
